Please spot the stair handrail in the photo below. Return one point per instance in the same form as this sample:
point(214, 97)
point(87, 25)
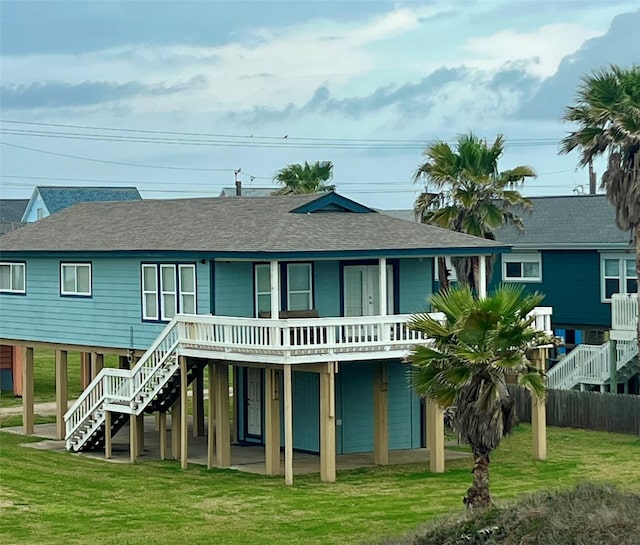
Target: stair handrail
point(626, 351)
point(564, 374)
point(85, 406)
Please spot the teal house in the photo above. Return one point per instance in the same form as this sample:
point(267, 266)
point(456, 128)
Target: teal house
point(299, 303)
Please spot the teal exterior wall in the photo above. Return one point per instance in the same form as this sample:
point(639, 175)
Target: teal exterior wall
point(327, 288)
point(233, 289)
point(109, 318)
point(415, 285)
point(571, 285)
point(354, 409)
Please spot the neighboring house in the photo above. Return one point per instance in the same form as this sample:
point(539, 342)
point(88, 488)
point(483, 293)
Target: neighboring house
point(47, 200)
point(248, 191)
point(199, 279)
point(572, 251)
point(11, 211)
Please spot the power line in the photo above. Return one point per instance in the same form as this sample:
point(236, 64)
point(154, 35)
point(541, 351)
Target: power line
point(543, 140)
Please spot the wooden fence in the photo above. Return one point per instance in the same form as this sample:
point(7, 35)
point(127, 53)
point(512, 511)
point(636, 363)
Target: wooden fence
point(589, 410)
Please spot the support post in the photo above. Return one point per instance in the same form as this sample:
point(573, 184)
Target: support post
point(211, 424)
point(613, 366)
point(275, 289)
point(380, 416)
point(97, 363)
point(133, 437)
point(539, 413)
point(382, 286)
point(272, 422)
point(27, 391)
point(328, 425)
point(288, 425)
point(175, 430)
point(184, 445)
point(435, 437)
point(223, 439)
point(61, 392)
point(162, 430)
point(107, 435)
point(85, 370)
point(197, 398)
point(482, 281)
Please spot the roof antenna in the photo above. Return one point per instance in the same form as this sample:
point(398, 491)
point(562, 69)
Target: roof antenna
point(238, 182)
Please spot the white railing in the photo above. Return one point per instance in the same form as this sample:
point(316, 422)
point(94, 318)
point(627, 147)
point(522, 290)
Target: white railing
point(542, 319)
point(624, 312)
point(589, 364)
point(579, 363)
point(296, 337)
point(284, 340)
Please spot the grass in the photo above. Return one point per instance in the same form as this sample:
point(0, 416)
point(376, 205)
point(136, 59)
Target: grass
point(52, 497)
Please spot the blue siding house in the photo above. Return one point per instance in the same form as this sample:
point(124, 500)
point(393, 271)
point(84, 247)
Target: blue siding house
point(46, 200)
point(303, 300)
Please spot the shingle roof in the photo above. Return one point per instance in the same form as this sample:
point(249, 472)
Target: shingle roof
point(12, 209)
point(567, 221)
point(574, 221)
point(222, 225)
point(57, 198)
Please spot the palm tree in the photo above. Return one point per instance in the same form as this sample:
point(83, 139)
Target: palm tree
point(466, 192)
point(304, 179)
point(479, 343)
point(607, 112)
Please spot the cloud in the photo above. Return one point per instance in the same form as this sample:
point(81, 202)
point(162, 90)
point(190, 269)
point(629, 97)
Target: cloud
point(619, 45)
point(55, 94)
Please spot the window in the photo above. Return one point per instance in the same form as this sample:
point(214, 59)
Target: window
point(40, 213)
point(168, 289)
point(12, 278)
point(618, 275)
point(299, 286)
point(522, 267)
point(263, 288)
point(75, 279)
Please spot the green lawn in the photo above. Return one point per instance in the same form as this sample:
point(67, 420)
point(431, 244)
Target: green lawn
point(51, 498)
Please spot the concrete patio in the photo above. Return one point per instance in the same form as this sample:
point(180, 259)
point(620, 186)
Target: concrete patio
point(250, 459)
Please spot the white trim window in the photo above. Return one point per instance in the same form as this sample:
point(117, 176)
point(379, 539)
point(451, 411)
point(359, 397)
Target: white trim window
point(12, 277)
point(522, 267)
point(262, 280)
point(619, 275)
point(299, 286)
point(75, 279)
point(168, 289)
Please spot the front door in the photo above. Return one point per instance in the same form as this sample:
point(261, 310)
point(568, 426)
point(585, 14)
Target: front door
point(362, 292)
point(254, 402)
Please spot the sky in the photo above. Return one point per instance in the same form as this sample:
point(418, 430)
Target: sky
point(173, 97)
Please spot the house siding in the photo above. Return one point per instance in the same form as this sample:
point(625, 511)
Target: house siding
point(234, 290)
point(415, 285)
point(111, 317)
point(31, 214)
point(571, 285)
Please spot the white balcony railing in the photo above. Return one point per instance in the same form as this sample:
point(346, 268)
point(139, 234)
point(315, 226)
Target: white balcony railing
point(624, 316)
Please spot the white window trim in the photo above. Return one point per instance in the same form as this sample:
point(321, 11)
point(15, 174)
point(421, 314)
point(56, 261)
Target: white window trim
point(76, 266)
point(257, 293)
point(160, 291)
point(154, 292)
point(622, 277)
point(309, 292)
point(182, 292)
point(521, 257)
point(11, 266)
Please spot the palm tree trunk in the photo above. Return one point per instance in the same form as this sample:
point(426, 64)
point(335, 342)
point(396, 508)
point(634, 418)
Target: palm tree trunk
point(478, 496)
point(443, 276)
point(475, 273)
